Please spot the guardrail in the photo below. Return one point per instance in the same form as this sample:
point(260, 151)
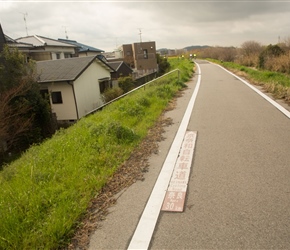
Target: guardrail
point(142, 86)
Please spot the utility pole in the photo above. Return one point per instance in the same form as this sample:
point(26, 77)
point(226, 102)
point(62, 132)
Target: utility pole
point(24, 17)
point(140, 34)
point(66, 36)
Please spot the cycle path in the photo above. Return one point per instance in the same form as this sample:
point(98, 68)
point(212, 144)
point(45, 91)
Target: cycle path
point(238, 194)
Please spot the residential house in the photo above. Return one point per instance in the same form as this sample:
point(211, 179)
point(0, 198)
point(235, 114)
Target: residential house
point(141, 56)
point(74, 85)
point(82, 49)
point(23, 47)
point(121, 70)
point(40, 48)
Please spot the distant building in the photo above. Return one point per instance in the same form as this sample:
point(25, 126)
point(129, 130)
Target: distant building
point(41, 48)
point(167, 52)
point(121, 70)
point(82, 49)
point(140, 56)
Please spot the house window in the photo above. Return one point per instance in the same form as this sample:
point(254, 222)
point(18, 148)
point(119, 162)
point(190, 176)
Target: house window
point(67, 55)
point(44, 94)
point(56, 97)
point(145, 53)
point(57, 55)
point(104, 84)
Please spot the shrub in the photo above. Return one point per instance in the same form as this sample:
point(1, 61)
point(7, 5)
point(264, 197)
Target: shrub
point(279, 64)
point(270, 52)
point(112, 93)
point(126, 83)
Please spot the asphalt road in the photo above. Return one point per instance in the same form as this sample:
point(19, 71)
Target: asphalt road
point(239, 190)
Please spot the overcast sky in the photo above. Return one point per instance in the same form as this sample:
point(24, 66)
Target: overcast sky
point(171, 24)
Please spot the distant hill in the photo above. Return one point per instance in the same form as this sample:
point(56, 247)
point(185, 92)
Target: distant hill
point(188, 48)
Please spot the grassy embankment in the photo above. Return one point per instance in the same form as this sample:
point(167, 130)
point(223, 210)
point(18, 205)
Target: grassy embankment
point(273, 82)
point(45, 192)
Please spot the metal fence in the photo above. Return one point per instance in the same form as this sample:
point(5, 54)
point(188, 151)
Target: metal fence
point(142, 86)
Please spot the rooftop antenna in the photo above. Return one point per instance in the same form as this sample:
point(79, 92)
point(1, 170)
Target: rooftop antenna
point(140, 34)
point(24, 17)
point(66, 36)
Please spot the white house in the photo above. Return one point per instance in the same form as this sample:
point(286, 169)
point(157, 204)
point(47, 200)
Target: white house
point(42, 48)
point(74, 85)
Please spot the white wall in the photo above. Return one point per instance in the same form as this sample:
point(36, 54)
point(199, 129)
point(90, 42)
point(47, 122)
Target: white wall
point(65, 110)
point(59, 50)
point(87, 88)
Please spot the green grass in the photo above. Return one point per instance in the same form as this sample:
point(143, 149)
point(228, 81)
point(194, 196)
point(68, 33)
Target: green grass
point(45, 192)
point(274, 82)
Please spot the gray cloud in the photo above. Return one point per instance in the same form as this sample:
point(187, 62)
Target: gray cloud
point(106, 25)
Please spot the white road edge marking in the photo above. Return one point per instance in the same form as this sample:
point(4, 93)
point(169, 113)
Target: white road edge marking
point(275, 104)
point(145, 228)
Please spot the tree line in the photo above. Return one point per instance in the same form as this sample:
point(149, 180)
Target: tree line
point(253, 54)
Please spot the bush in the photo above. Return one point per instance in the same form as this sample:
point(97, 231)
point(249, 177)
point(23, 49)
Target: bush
point(279, 64)
point(163, 65)
point(126, 83)
point(112, 93)
point(270, 52)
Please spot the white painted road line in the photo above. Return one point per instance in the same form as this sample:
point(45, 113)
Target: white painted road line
point(145, 228)
point(275, 104)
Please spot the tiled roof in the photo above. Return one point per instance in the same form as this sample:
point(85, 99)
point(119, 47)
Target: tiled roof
point(82, 47)
point(38, 41)
point(68, 69)
point(115, 65)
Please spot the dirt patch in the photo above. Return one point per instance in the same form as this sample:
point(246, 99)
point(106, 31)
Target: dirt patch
point(128, 173)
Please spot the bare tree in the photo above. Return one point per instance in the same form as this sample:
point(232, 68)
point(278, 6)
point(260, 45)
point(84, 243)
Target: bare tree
point(13, 114)
point(250, 48)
